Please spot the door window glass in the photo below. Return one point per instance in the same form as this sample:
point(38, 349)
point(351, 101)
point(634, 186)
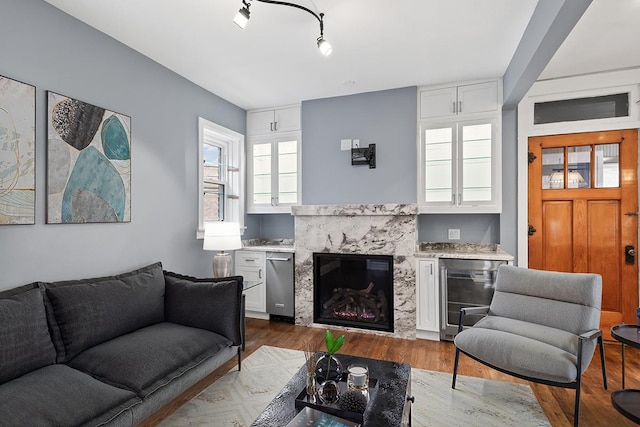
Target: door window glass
point(552, 168)
point(607, 166)
point(579, 164)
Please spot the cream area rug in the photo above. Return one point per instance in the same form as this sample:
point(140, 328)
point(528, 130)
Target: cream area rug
point(238, 398)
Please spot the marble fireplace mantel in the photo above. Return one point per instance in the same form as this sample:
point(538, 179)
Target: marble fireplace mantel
point(376, 229)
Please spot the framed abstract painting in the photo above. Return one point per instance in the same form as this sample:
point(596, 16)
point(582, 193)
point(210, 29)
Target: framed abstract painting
point(88, 163)
point(17, 152)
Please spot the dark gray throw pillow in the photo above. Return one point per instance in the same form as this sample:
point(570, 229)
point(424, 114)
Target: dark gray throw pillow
point(211, 304)
point(91, 311)
point(24, 337)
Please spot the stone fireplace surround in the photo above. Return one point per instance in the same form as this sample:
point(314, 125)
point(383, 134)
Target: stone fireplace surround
point(385, 229)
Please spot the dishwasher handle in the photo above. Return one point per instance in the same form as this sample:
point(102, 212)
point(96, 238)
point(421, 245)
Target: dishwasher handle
point(278, 259)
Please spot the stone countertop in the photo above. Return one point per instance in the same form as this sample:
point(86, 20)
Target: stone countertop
point(488, 251)
point(269, 245)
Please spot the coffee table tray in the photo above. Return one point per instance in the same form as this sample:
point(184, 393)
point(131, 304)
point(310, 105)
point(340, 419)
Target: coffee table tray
point(332, 408)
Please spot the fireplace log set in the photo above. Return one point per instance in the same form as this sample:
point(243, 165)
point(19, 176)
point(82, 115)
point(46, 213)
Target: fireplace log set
point(351, 304)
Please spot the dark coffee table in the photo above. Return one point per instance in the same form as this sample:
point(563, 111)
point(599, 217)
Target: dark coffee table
point(390, 405)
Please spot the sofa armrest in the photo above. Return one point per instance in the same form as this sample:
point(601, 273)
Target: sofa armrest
point(212, 304)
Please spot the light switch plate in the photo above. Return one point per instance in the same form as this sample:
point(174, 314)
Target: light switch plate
point(454, 234)
point(345, 144)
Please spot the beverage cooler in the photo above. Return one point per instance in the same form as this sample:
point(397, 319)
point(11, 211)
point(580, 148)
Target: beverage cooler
point(464, 283)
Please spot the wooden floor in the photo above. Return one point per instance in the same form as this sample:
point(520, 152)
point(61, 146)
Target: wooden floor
point(557, 403)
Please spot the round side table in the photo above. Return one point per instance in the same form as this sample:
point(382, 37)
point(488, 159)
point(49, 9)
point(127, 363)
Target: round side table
point(627, 401)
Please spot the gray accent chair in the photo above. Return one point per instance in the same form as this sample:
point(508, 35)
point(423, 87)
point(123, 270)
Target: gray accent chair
point(541, 326)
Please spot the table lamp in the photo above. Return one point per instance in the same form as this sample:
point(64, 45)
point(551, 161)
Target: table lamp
point(222, 236)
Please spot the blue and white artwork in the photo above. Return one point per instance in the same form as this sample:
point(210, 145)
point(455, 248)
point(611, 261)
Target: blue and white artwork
point(88, 163)
point(17, 152)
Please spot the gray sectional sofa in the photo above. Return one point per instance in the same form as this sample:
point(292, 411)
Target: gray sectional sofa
point(111, 351)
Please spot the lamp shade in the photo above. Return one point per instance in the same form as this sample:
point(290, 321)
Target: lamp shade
point(221, 236)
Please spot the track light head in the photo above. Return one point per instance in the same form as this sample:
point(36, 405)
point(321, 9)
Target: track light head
point(242, 17)
point(324, 46)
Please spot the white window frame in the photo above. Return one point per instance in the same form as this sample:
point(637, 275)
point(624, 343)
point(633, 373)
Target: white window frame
point(231, 174)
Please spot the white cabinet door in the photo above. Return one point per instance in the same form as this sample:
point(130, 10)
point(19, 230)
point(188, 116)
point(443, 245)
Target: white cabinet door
point(460, 167)
point(287, 119)
point(260, 122)
point(478, 98)
point(251, 266)
point(273, 170)
point(427, 303)
point(438, 102)
point(459, 100)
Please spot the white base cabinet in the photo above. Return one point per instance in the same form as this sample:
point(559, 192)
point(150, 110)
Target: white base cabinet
point(427, 300)
point(251, 266)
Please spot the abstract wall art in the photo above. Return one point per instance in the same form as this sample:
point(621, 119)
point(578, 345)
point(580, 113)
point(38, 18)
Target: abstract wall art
point(88, 163)
point(17, 152)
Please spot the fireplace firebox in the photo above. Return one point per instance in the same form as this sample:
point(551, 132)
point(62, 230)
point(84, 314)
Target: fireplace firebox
point(353, 290)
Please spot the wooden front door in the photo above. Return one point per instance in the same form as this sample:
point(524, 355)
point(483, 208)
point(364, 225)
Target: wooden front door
point(583, 213)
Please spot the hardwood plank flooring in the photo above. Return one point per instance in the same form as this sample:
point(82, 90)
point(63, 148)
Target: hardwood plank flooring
point(557, 403)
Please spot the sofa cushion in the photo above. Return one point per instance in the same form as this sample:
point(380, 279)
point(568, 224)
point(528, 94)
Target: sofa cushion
point(91, 311)
point(149, 358)
point(518, 354)
point(211, 304)
point(25, 342)
point(58, 395)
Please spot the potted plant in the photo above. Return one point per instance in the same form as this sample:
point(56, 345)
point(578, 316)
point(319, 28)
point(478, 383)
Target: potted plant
point(328, 367)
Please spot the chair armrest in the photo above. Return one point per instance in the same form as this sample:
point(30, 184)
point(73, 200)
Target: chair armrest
point(470, 310)
point(212, 304)
point(590, 335)
point(475, 310)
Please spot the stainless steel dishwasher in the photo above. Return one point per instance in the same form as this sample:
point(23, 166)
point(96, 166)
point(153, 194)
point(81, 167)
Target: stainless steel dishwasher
point(280, 286)
point(464, 283)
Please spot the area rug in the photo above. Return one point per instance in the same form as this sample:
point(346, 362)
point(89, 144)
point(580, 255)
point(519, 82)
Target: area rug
point(238, 398)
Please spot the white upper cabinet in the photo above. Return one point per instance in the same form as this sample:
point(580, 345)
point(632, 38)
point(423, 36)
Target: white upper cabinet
point(285, 119)
point(458, 100)
point(273, 160)
point(459, 147)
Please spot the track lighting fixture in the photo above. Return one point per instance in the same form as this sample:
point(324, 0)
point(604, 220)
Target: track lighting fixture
point(242, 18)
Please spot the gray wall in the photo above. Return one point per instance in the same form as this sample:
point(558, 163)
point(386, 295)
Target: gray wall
point(474, 228)
point(42, 46)
point(385, 118)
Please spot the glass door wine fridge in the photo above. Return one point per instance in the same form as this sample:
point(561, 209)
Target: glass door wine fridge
point(464, 283)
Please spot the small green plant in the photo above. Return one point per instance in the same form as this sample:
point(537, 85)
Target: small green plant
point(333, 344)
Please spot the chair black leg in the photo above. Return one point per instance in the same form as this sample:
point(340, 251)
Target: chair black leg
point(455, 368)
point(604, 366)
point(239, 359)
point(576, 411)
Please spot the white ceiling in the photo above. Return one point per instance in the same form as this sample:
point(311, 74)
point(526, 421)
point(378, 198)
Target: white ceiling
point(607, 37)
point(377, 44)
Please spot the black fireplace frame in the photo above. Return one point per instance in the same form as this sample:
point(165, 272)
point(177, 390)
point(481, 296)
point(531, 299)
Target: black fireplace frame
point(317, 304)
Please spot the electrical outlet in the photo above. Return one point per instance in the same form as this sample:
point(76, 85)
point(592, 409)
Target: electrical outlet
point(454, 234)
point(356, 143)
point(345, 144)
